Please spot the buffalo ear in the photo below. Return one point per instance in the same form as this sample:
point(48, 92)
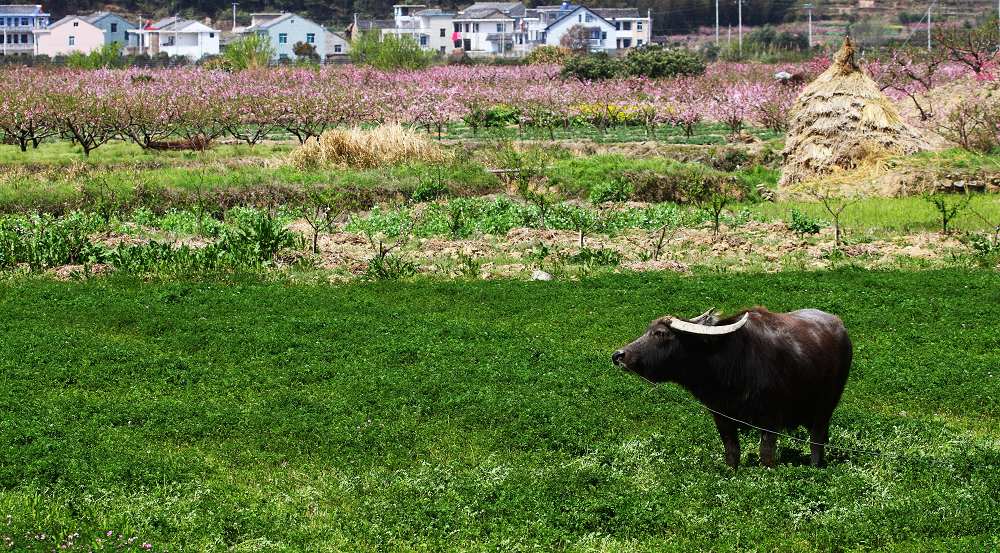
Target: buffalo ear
point(708, 318)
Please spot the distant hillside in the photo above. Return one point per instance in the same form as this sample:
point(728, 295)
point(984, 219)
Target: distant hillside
point(670, 16)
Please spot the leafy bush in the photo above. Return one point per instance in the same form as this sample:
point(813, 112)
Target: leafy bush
point(389, 52)
point(655, 62)
point(802, 224)
point(612, 190)
point(389, 267)
point(428, 190)
point(44, 241)
point(250, 51)
point(601, 257)
point(592, 67)
point(108, 56)
point(259, 235)
point(548, 54)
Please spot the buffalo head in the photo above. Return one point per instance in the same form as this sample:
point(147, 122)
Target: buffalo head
point(651, 355)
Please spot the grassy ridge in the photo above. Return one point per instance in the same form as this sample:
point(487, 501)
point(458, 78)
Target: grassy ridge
point(478, 415)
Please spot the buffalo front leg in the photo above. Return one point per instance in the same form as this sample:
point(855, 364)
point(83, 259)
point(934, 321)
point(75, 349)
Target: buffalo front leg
point(730, 440)
point(767, 447)
point(819, 435)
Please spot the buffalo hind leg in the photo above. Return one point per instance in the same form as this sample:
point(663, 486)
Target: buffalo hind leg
point(767, 447)
point(819, 434)
point(729, 433)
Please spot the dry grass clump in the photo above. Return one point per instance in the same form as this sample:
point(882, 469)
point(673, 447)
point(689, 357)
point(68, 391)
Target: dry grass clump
point(842, 120)
point(381, 146)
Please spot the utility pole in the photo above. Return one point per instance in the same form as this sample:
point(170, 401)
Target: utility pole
point(234, 15)
point(729, 36)
point(717, 22)
point(740, 23)
point(929, 26)
point(809, 10)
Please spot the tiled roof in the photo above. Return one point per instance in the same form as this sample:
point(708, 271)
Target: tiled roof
point(369, 24)
point(270, 22)
point(433, 11)
point(611, 13)
point(482, 13)
point(21, 9)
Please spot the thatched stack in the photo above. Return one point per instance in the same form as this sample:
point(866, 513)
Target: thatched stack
point(842, 120)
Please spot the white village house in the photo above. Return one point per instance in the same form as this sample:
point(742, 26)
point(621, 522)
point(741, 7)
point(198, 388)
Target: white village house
point(285, 30)
point(178, 37)
point(509, 28)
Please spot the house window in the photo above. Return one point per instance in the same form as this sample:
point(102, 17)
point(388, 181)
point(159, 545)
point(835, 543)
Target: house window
point(114, 27)
point(579, 18)
point(283, 56)
point(443, 30)
point(76, 23)
point(638, 42)
point(24, 21)
point(311, 38)
point(618, 25)
point(627, 26)
point(466, 27)
point(626, 43)
point(588, 18)
point(3, 39)
point(458, 27)
point(423, 40)
point(211, 35)
point(336, 48)
point(282, 38)
point(72, 40)
point(475, 27)
point(604, 35)
point(500, 27)
point(442, 49)
point(638, 25)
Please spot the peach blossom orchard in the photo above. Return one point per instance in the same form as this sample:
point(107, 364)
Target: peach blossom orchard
point(146, 106)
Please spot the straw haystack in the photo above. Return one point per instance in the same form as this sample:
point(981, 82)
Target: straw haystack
point(842, 120)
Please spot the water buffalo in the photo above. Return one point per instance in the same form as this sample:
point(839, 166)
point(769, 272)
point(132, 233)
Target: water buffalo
point(775, 371)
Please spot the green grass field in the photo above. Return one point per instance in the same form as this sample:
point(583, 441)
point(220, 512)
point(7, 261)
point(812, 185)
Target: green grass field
point(431, 415)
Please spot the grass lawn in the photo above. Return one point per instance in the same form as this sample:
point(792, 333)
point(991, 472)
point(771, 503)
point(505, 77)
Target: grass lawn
point(63, 152)
point(478, 416)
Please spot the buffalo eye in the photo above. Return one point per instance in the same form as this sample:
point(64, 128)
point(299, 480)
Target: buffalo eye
point(659, 333)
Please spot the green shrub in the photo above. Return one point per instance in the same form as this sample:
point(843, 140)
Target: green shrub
point(655, 62)
point(389, 52)
point(802, 224)
point(428, 190)
point(612, 190)
point(44, 241)
point(257, 235)
point(250, 51)
point(548, 54)
point(389, 267)
point(600, 257)
point(592, 67)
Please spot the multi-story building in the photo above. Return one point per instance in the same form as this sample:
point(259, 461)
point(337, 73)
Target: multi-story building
point(285, 30)
point(17, 26)
point(174, 36)
point(631, 28)
point(490, 28)
point(115, 27)
point(68, 35)
point(430, 28)
point(508, 28)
